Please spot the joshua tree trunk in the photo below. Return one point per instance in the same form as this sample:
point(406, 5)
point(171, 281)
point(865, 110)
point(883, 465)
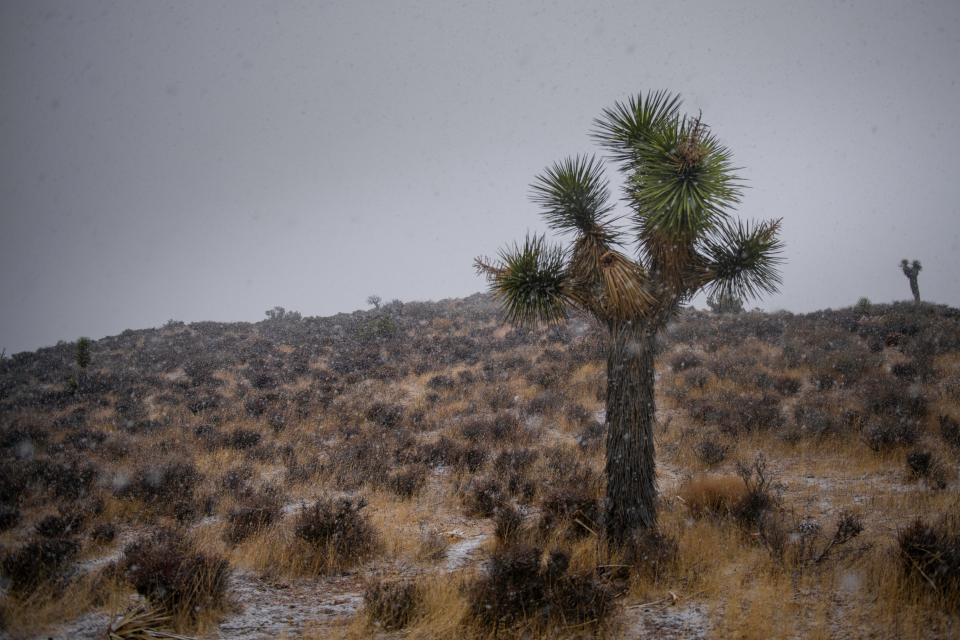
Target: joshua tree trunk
point(915, 288)
point(631, 479)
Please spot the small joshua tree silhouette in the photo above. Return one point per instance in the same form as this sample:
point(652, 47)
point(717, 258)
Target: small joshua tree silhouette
point(912, 271)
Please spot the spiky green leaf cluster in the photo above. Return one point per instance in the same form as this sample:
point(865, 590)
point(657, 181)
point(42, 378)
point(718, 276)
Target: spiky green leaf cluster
point(529, 280)
point(743, 259)
point(684, 182)
point(626, 125)
point(574, 196)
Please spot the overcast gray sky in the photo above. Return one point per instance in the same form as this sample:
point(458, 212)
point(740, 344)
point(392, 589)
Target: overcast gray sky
point(209, 160)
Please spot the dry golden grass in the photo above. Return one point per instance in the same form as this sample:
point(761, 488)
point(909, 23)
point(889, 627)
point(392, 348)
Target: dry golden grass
point(712, 494)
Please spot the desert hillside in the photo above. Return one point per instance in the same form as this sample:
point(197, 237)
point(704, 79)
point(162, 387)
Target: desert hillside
point(425, 470)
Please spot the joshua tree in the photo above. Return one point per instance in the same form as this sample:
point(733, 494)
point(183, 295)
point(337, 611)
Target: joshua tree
point(728, 303)
point(83, 353)
point(680, 186)
point(374, 300)
point(912, 271)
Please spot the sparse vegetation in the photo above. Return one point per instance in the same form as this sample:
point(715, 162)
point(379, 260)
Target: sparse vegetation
point(474, 441)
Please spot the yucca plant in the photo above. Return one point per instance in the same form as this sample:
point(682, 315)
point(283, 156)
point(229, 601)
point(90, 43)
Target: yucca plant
point(680, 187)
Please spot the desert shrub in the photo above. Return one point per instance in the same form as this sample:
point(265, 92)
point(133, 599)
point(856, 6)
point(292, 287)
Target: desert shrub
point(9, 516)
point(252, 516)
point(710, 450)
point(801, 542)
point(762, 493)
point(919, 463)
point(814, 417)
point(592, 436)
point(905, 371)
point(889, 398)
point(696, 378)
point(882, 434)
point(491, 429)
point(361, 459)
point(651, 553)
point(922, 464)
point(547, 374)
point(523, 589)
point(482, 496)
point(385, 414)
point(71, 480)
point(508, 523)
point(444, 451)
point(391, 605)
point(516, 459)
point(577, 512)
point(471, 458)
point(166, 570)
point(564, 469)
point(786, 385)
point(62, 525)
point(685, 360)
point(930, 557)
point(441, 382)
point(433, 544)
point(544, 402)
point(408, 481)
point(337, 529)
point(738, 413)
point(845, 366)
point(235, 481)
point(164, 485)
point(950, 431)
point(243, 439)
point(37, 561)
point(103, 533)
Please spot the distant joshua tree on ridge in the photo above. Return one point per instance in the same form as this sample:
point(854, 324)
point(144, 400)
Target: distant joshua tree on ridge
point(912, 271)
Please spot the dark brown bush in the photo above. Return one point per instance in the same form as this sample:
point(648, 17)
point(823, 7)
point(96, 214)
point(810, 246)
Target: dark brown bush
point(685, 360)
point(711, 451)
point(592, 436)
point(9, 516)
point(37, 562)
point(950, 431)
point(104, 533)
point(523, 589)
point(165, 569)
point(482, 496)
point(919, 463)
point(508, 523)
point(391, 605)
point(491, 429)
point(930, 555)
point(385, 414)
point(578, 512)
point(762, 495)
point(255, 514)
point(408, 481)
point(652, 553)
point(168, 486)
point(813, 416)
point(338, 527)
point(887, 432)
point(62, 525)
point(244, 439)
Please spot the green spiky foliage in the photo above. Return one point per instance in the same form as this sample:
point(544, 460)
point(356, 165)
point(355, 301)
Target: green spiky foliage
point(83, 353)
point(679, 238)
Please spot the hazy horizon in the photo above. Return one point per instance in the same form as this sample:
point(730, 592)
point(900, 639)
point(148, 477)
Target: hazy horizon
point(210, 161)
